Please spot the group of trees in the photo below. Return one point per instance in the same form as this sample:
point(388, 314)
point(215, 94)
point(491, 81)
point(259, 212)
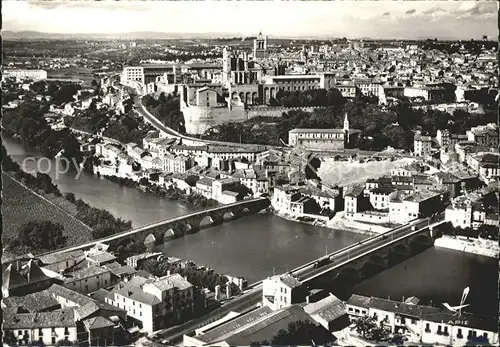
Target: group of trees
point(307, 98)
point(41, 181)
point(369, 328)
point(299, 333)
point(91, 120)
point(193, 199)
point(27, 123)
point(101, 221)
point(40, 235)
point(198, 277)
point(127, 128)
point(484, 231)
point(166, 109)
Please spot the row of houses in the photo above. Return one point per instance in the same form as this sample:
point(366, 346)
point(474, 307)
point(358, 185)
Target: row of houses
point(285, 301)
point(86, 296)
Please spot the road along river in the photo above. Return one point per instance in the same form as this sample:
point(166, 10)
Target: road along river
point(256, 246)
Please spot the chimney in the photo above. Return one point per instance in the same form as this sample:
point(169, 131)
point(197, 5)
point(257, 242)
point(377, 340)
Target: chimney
point(168, 272)
point(217, 292)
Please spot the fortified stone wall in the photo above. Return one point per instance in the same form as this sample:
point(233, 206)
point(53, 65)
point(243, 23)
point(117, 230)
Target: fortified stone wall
point(199, 119)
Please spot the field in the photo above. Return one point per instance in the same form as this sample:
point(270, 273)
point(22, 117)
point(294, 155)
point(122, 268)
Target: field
point(75, 73)
point(20, 205)
point(344, 173)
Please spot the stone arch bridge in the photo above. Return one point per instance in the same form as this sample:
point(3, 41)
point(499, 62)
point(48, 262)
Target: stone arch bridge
point(157, 233)
point(161, 231)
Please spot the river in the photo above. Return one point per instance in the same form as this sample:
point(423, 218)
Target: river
point(256, 246)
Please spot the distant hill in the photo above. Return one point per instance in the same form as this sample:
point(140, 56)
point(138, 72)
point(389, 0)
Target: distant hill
point(144, 35)
point(124, 36)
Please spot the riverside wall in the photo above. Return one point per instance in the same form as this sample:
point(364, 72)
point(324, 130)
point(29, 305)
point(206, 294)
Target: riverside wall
point(487, 248)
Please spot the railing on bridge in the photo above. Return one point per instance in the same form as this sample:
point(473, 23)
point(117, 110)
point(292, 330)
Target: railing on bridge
point(151, 225)
point(363, 243)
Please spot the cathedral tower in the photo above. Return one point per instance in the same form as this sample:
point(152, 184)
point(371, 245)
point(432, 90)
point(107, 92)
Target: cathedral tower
point(260, 47)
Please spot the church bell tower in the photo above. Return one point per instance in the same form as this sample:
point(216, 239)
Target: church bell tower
point(346, 129)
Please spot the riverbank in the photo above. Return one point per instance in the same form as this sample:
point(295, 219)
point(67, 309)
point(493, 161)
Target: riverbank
point(171, 193)
point(487, 248)
point(338, 222)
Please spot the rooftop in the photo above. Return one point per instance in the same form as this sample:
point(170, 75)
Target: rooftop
point(59, 291)
point(329, 308)
point(53, 258)
point(59, 318)
point(35, 302)
point(217, 333)
point(86, 273)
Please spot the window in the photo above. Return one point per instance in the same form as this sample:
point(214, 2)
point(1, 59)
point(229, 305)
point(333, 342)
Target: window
point(53, 330)
point(485, 335)
point(413, 321)
point(20, 333)
point(356, 311)
point(459, 333)
point(427, 327)
point(40, 332)
point(66, 331)
point(439, 330)
point(53, 340)
point(350, 309)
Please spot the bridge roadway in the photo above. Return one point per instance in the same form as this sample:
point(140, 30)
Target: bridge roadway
point(124, 234)
point(304, 273)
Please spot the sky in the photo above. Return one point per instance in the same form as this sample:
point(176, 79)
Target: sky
point(351, 19)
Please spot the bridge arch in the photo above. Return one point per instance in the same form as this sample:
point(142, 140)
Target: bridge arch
point(169, 235)
point(150, 239)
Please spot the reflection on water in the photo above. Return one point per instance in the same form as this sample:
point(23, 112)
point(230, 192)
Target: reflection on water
point(256, 246)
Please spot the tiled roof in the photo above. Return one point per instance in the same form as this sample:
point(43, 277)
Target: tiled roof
point(267, 326)
point(123, 270)
point(323, 131)
point(358, 300)
point(86, 273)
point(34, 273)
point(60, 291)
point(216, 333)
point(174, 280)
point(101, 257)
point(433, 314)
point(329, 308)
point(58, 257)
point(12, 279)
point(59, 318)
point(35, 302)
point(97, 323)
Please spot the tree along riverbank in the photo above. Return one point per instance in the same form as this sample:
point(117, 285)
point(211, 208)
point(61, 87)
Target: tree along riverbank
point(100, 223)
point(173, 193)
